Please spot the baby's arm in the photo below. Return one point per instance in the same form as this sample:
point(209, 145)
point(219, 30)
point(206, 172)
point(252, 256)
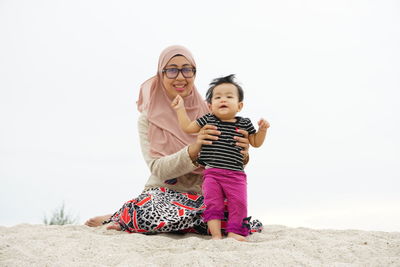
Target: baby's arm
point(186, 124)
point(257, 139)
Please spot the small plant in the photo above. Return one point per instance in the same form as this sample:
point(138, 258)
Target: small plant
point(60, 217)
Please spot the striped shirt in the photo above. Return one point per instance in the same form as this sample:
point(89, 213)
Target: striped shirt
point(223, 153)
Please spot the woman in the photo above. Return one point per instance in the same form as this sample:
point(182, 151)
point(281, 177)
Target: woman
point(171, 200)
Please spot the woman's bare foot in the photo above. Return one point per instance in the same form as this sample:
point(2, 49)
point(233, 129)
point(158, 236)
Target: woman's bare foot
point(97, 221)
point(237, 237)
point(114, 226)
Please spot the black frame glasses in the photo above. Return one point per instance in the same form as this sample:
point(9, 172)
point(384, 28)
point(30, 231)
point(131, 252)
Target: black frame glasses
point(172, 73)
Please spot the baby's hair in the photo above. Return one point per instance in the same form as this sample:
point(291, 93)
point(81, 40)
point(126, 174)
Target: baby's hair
point(227, 79)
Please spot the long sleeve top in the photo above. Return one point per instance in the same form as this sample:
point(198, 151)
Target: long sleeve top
point(177, 165)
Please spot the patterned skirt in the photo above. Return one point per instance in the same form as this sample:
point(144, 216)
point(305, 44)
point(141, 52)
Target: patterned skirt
point(160, 209)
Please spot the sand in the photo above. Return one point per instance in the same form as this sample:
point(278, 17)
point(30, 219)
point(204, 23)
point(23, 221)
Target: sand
point(79, 245)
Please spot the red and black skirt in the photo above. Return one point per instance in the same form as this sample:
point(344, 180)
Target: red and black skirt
point(158, 210)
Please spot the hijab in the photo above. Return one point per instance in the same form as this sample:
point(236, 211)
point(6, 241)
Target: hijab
point(165, 135)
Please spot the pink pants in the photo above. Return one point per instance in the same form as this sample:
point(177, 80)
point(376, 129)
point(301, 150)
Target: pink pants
point(219, 184)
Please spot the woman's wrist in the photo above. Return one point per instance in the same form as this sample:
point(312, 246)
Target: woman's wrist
point(194, 150)
point(246, 159)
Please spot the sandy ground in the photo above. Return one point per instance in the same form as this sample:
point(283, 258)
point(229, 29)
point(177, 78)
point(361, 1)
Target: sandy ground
point(78, 245)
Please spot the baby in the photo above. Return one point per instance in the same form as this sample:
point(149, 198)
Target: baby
point(224, 176)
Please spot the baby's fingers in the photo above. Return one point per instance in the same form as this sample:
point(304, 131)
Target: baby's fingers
point(263, 124)
point(174, 101)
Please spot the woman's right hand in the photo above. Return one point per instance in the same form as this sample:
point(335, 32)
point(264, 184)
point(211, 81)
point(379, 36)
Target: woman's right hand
point(205, 136)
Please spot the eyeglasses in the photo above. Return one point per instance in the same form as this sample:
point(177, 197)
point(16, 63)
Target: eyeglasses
point(172, 73)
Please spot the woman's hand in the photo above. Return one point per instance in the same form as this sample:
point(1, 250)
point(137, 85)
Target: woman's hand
point(244, 143)
point(206, 135)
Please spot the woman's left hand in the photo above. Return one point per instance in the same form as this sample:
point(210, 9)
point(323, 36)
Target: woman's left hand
point(243, 142)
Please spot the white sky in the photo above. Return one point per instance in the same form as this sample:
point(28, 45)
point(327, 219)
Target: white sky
point(324, 73)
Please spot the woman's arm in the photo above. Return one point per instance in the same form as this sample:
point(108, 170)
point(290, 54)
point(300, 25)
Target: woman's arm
point(210, 132)
point(181, 162)
point(166, 167)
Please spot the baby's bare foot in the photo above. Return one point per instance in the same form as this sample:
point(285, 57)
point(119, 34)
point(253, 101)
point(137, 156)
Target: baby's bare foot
point(237, 237)
point(97, 221)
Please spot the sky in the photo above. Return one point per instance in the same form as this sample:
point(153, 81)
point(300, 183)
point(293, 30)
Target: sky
point(325, 74)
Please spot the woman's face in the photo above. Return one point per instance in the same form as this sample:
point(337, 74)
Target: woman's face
point(179, 85)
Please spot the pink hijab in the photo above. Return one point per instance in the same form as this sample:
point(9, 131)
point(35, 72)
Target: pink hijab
point(165, 135)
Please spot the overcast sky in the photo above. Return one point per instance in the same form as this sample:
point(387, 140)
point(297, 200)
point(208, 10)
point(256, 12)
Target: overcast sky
point(326, 74)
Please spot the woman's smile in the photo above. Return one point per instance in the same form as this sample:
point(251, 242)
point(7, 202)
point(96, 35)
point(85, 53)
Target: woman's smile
point(178, 85)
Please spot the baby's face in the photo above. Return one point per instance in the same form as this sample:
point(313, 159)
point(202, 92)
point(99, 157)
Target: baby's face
point(225, 101)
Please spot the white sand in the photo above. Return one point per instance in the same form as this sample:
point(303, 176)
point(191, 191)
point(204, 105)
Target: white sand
point(72, 245)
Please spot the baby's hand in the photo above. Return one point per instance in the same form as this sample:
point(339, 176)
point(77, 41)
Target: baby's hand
point(178, 103)
point(263, 125)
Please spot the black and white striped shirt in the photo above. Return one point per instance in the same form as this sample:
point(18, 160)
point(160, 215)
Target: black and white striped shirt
point(224, 153)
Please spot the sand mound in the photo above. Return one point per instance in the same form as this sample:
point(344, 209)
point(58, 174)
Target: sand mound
point(73, 245)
